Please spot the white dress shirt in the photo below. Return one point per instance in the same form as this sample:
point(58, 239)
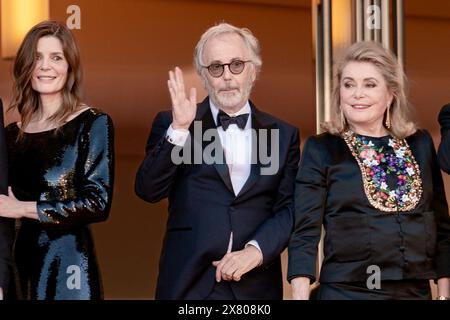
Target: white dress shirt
point(237, 145)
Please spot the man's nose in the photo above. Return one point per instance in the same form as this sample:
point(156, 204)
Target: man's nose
point(226, 73)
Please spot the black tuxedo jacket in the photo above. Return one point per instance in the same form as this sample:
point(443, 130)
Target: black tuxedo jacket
point(329, 191)
point(203, 210)
point(444, 146)
point(6, 225)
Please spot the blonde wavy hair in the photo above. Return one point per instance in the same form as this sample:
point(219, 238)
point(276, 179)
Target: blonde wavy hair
point(385, 61)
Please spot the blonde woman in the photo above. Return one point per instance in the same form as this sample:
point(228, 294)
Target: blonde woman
point(373, 182)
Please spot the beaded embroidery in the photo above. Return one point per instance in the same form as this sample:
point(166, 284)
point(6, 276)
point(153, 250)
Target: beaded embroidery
point(402, 162)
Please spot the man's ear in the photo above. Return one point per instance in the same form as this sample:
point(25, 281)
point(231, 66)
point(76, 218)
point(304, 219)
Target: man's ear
point(253, 73)
point(203, 78)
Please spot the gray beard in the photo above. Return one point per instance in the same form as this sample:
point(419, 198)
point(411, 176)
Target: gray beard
point(226, 103)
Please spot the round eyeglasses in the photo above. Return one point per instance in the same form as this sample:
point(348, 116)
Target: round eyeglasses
point(216, 69)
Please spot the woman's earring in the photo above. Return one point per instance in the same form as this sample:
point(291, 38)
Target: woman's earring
point(388, 118)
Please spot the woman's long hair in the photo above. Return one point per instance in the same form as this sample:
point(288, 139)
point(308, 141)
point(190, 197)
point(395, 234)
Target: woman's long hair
point(24, 97)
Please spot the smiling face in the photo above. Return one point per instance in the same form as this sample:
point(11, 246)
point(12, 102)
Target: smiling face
point(364, 96)
point(51, 67)
point(230, 91)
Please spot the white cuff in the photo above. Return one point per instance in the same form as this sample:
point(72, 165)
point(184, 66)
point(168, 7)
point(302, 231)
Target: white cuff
point(253, 243)
point(177, 136)
point(256, 245)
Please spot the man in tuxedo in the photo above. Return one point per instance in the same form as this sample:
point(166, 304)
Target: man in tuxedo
point(6, 225)
point(230, 189)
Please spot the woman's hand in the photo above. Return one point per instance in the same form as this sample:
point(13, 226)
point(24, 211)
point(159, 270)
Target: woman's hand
point(443, 286)
point(12, 208)
point(300, 288)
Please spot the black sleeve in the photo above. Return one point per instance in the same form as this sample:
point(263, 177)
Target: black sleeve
point(444, 147)
point(309, 200)
point(95, 198)
point(440, 209)
point(273, 235)
point(6, 241)
point(3, 156)
point(157, 171)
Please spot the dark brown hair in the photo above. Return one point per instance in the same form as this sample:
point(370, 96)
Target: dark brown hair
point(24, 97)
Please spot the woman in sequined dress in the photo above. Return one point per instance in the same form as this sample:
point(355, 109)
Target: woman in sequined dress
point(61, 163)
point(372, 181)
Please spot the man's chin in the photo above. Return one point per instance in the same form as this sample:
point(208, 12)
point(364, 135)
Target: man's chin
point(229, 102)
point(228, 105)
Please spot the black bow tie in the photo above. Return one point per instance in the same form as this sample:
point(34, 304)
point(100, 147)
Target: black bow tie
point(225, 120)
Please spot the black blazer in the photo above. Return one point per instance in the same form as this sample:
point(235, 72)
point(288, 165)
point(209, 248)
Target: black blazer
point(444, 146)
point(203, 210)
point(329, 191)
point(6, 225)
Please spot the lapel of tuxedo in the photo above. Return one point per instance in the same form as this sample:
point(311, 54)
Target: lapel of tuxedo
point(204, 115)
point(259, 123)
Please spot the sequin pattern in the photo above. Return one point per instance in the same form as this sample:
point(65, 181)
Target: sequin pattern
point(400, 162)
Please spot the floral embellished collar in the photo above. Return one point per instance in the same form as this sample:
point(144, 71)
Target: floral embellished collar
point(376, 164)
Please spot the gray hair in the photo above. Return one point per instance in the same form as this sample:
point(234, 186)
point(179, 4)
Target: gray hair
point(224, 28)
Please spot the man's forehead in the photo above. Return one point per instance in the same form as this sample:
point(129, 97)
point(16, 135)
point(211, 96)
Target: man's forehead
point(225, 47)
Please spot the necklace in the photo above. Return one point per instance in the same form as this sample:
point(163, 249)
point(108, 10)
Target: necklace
point(372, 161)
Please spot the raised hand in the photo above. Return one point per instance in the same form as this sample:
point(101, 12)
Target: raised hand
point(183, 108)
